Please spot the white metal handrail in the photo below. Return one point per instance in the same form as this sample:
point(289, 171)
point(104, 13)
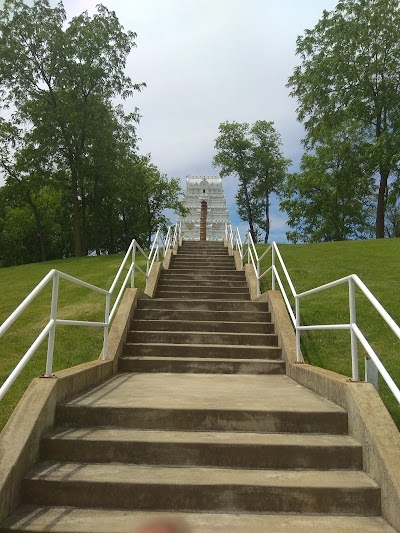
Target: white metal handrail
point(373, 364)
point(55, 275)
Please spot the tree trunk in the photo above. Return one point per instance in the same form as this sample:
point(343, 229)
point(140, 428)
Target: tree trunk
point(380, 211)
point(39, 228)
point(96, 215)
point(76, 215)
point(126, 232)
point(84, 230)
point(249, 213)
point(267, 223)
point(111, 242)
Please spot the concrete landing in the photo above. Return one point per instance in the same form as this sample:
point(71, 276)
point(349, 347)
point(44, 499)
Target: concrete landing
point(205, 391)
point(73, 520)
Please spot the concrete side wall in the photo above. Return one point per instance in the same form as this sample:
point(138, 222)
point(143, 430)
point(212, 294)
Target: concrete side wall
point(251, 280)
point(152, 280)
point(369, 421)
point(238, 260)
point(166, 264)
point(34, 415)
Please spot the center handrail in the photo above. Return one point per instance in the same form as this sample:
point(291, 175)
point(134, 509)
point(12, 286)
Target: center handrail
point(373, 363)
point(55, 276)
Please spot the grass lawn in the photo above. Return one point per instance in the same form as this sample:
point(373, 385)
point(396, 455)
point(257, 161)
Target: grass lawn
point(73, 344)
point(377, 263)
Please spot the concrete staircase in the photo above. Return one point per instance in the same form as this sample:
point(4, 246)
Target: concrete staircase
point(200, 421)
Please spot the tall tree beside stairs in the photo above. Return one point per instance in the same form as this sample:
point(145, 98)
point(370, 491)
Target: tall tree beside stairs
point(56, 75)
point(253, 154)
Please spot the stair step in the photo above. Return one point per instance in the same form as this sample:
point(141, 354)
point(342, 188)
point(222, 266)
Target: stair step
point(202, 305)
point(203, 402)
point(122, 486)
point(75, 520)
point(232, 295)
point(205, 262)
point(203, 244)
point(217, 288)
point(205, 326)
point(208, 284)
point(197, 253)
point(199, 315)
point(218, 449)
point(190, 275)
point(202, 338)
point(203, 365)
point(169, 349)
point(205, 268)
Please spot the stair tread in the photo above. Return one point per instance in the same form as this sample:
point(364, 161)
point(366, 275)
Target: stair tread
point(183, 345)
point(212, 333)
point(201, 359)
point(118, 473)
point(75, 520)
point(138, 321)
point(217, 392)
point(202, 437)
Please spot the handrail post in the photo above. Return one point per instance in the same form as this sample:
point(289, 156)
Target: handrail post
point(258, 278)
point(353, 320)
point(147, 271)
point(273, 267)
point(106, 321)
point(248, 247)
point(133, 263)
point(52, 332)
point(299, 357)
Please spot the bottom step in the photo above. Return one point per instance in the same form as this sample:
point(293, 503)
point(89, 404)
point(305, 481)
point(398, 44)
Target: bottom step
point(165, 488)
point(72, 520)
point(200, 365)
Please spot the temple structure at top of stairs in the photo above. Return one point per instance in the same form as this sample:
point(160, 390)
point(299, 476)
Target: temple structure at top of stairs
point(205, 199)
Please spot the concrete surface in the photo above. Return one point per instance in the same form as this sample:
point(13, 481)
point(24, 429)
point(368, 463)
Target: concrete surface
point(121, 485)
point(209, 391)
point(74, 520)
point(199, 448)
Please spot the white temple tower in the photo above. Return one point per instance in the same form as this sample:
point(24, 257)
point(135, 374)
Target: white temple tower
point(205, 198)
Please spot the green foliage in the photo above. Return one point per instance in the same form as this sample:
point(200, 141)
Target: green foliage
point(253, 155)
point(61, 79)
point(74, 180)
point(73, 345)
point(376, 263)
point(349, 75)
point(330, 198)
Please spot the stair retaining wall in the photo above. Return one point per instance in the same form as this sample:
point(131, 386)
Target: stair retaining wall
point(368, 419)
point(34, 414)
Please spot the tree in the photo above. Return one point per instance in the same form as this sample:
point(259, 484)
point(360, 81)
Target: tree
point(330, 198)
point(157, 194)
point(350, 73)
point(270, 170)
point(59, 77)
point(253, 155)
point(234, 157)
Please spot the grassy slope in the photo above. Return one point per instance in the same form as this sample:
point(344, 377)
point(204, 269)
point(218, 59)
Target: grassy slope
point(377, 264)
point(73, 345)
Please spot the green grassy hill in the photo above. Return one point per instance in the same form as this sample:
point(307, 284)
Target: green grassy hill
point(73, 345)
point(377, 263)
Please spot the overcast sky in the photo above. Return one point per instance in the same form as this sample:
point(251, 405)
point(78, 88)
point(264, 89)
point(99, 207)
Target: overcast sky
point(208, 61)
